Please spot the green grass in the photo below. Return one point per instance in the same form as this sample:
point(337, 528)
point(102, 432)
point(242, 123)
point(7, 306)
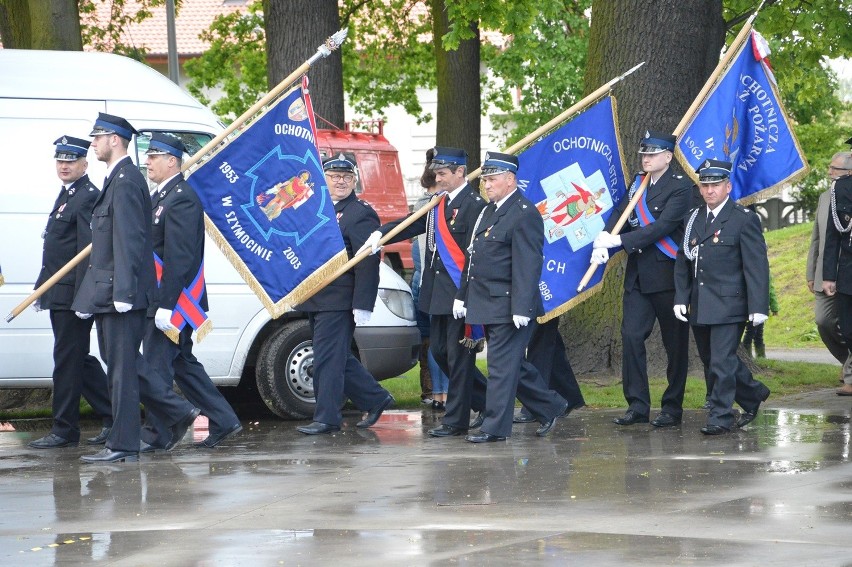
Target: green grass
point(794, 325)
point(782, 378)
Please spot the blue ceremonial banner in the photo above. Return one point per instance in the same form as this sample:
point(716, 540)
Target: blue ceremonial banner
point(574, 176)
point(268, 207)
point(742, 121)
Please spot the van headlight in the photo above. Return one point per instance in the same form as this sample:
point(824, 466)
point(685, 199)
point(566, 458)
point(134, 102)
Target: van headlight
point(398, 302)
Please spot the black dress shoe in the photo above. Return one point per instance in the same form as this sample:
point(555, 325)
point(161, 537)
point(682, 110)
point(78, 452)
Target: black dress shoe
point(446, 431)
point(748, 417)
point(107, 455)
point(547, 426)
point(100, 438)
point(51, 441)
point(631, 417)
point(375, 413)
point(212, 440)
point(478, 420)
point(523, 417)
point(714, 430)
point(707, 405)
point(317, 428)
point(665, 420)
point(483, 437)
point(179, 428)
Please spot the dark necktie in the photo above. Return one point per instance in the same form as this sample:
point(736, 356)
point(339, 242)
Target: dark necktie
point(710, 218)
point(489, 211)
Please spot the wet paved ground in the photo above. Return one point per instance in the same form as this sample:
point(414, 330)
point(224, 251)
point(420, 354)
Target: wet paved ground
point(778, 492)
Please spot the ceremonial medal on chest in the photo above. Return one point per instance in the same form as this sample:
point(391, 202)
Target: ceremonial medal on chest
point(157, 214)
point(453, 218)
point(60, 209)
point(716, 236)
point(338, 216)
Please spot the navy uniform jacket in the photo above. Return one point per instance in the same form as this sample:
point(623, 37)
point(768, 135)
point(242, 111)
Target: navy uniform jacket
point(437, 289)
point(504, 269)
point(177, 230)
point(668, 200)
point(733, 270)
point(121, 267)
point(68, 231)
point(837, 256)
point(356, 289)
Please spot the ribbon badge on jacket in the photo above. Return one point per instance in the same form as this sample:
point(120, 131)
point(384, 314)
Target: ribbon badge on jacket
point(453, 258)
point(666, 245)
point(188, 308)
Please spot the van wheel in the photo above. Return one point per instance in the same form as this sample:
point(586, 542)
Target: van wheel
point(285, 371)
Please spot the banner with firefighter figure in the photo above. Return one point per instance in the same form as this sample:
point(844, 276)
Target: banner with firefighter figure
point(574, 176)
point(267, 205)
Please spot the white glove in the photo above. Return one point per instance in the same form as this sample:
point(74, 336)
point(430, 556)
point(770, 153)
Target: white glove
point(607, 240)
point(163, 320)
point(459, 310)
point(122, 307)
point(757, 319)
point(680, 313)
point(362, 316)
point(372, 243)
point(82, 315)
point(600, 256)
point(36, 305)
point(520, 321)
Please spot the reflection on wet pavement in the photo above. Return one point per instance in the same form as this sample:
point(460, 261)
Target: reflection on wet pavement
point(590, 494)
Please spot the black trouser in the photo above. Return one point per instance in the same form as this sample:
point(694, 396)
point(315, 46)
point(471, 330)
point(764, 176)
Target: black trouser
point(75, 373)
point(466, 388)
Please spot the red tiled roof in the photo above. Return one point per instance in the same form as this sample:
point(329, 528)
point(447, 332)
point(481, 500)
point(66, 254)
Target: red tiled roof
point(193, 17)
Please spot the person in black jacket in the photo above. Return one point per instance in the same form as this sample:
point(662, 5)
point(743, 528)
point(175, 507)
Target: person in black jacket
point(75, 371)
point(118, 281)
point(651, 239)
point(722, 281)
point(336, 310)
point(500, 291)
point(447, 238)
point(837, 256)
point(180, 299)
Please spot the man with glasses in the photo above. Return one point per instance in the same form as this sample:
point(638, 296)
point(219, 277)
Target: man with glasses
point(826, 313)
point(837, 254)
point(336, 310)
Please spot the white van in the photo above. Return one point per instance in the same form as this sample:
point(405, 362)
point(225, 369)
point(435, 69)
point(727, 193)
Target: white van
point(47, 94)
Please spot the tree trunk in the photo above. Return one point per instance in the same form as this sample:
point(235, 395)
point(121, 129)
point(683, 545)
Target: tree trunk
point(680, 42)
point(459, 96)
point(294, 29)
point(40, 24)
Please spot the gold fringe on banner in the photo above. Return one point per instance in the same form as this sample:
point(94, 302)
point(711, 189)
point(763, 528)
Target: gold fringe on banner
point(299, 294)
point(204, 330)
point(2, 279)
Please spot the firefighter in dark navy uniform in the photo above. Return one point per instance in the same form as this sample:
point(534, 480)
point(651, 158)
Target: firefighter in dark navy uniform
point(448, 236)
point(75, 371)
point(722, 281)
point(177, 230)
point(837, 256)
point(500, 291)
point(651, 240)
point(336, 309)
point(118, 282)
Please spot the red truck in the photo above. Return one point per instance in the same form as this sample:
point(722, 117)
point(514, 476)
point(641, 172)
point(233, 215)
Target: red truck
point(380, 180)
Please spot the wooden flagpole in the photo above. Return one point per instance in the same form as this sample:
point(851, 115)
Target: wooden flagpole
point(521, 144)
point(690, 113)
point(324, 50)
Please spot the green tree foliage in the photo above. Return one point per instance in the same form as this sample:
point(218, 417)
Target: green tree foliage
point(802, 36)
point(111, 35)
point(235, 63)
